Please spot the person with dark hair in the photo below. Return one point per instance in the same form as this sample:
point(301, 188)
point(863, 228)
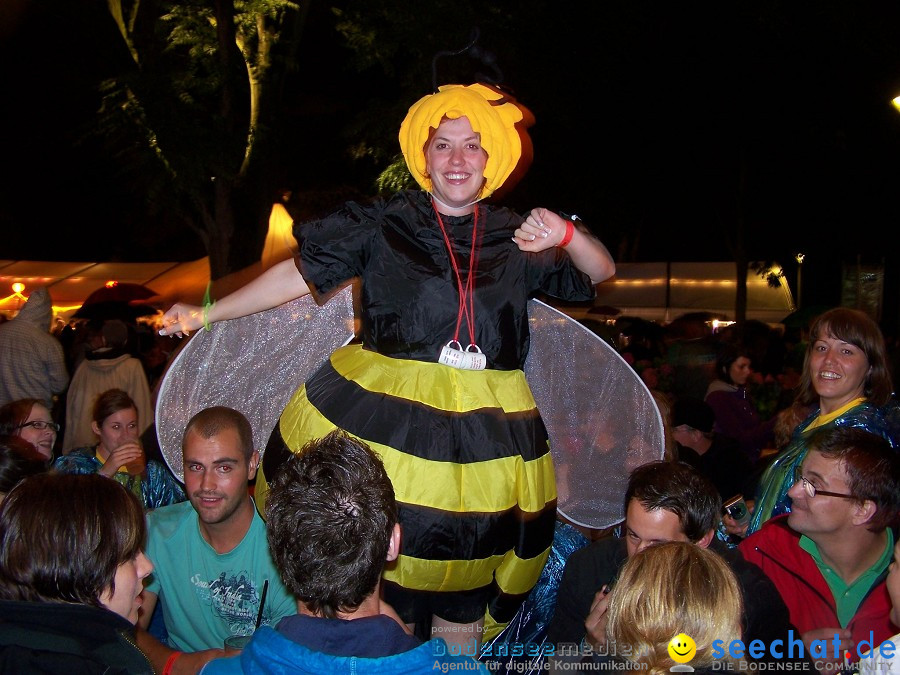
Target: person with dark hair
point(437, 379)
point(829, 556)
point(334, 491)
point(678, 489)
point(717, 457)
point(338, 495)
point(18, 460)
point(735, 412)
point(118, 453)
point(847, 378)
point(30, 420)
point(110, 366)
point(664, 501)
point(213, 567)
point(71, 565)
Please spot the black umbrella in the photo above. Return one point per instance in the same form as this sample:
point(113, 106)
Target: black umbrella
point(118, 301)
point(604, 310)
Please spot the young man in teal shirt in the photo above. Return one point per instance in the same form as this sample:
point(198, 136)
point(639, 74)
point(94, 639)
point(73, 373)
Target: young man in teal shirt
point(211, 557)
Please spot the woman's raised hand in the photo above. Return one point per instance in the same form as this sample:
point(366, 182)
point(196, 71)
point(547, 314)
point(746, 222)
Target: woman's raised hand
point(124, 454)
point(542, 229)
point(181, 319)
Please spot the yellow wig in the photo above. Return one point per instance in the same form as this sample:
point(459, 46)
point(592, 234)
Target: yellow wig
point(491, 113)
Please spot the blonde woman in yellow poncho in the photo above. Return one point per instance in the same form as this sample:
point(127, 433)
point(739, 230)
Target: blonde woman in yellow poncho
point(436, 385)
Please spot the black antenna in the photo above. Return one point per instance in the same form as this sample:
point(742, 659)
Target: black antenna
point(487, 58)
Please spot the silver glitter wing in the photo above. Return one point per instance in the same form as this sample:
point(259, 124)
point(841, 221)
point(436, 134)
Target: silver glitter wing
point(253, 364)
point(601, 418)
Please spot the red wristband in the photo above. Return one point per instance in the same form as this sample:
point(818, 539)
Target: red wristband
point(570, 231)
point(167, 669)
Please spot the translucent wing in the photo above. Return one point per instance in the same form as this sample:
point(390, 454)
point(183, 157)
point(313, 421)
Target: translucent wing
point(253, 364)
point(602, 420)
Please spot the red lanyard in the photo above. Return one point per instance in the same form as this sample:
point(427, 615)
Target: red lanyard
point(467, 292)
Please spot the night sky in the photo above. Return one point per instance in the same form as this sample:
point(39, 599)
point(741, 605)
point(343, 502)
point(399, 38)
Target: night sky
point(662, 124)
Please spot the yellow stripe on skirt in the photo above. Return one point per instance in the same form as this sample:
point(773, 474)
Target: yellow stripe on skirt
point(467, 454)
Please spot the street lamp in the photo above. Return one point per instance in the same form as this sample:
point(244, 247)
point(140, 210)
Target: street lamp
point(799, 258)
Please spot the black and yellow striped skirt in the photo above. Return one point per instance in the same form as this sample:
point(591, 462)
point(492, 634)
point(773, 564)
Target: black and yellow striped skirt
point(469, 459)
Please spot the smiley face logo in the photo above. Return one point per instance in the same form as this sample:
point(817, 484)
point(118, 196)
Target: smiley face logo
point(682, 648)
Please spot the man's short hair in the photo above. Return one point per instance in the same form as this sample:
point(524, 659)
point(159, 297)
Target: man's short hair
point(212, 421)
point(63, 537)
point(330, 513)
point(871, 465)
point(679, 488)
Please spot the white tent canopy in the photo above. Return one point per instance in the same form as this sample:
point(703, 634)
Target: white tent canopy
point(663, 291)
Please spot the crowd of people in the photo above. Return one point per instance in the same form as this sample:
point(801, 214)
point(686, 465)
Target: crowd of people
point(401, 517)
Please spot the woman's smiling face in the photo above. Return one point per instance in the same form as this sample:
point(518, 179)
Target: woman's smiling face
point(838, 371)
point(42, 439)
point(455, 162)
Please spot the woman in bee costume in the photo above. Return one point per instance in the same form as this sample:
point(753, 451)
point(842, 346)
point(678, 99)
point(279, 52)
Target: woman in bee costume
point(435, 384)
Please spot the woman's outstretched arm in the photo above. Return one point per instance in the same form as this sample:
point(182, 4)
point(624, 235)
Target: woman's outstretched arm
point(279, 284)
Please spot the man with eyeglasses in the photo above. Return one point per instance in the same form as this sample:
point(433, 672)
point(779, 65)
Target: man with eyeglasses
point(664, 501)
point(829, 556)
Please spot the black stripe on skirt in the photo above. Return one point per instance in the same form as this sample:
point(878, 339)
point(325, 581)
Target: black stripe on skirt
point(431, 534)
point(476, 433)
